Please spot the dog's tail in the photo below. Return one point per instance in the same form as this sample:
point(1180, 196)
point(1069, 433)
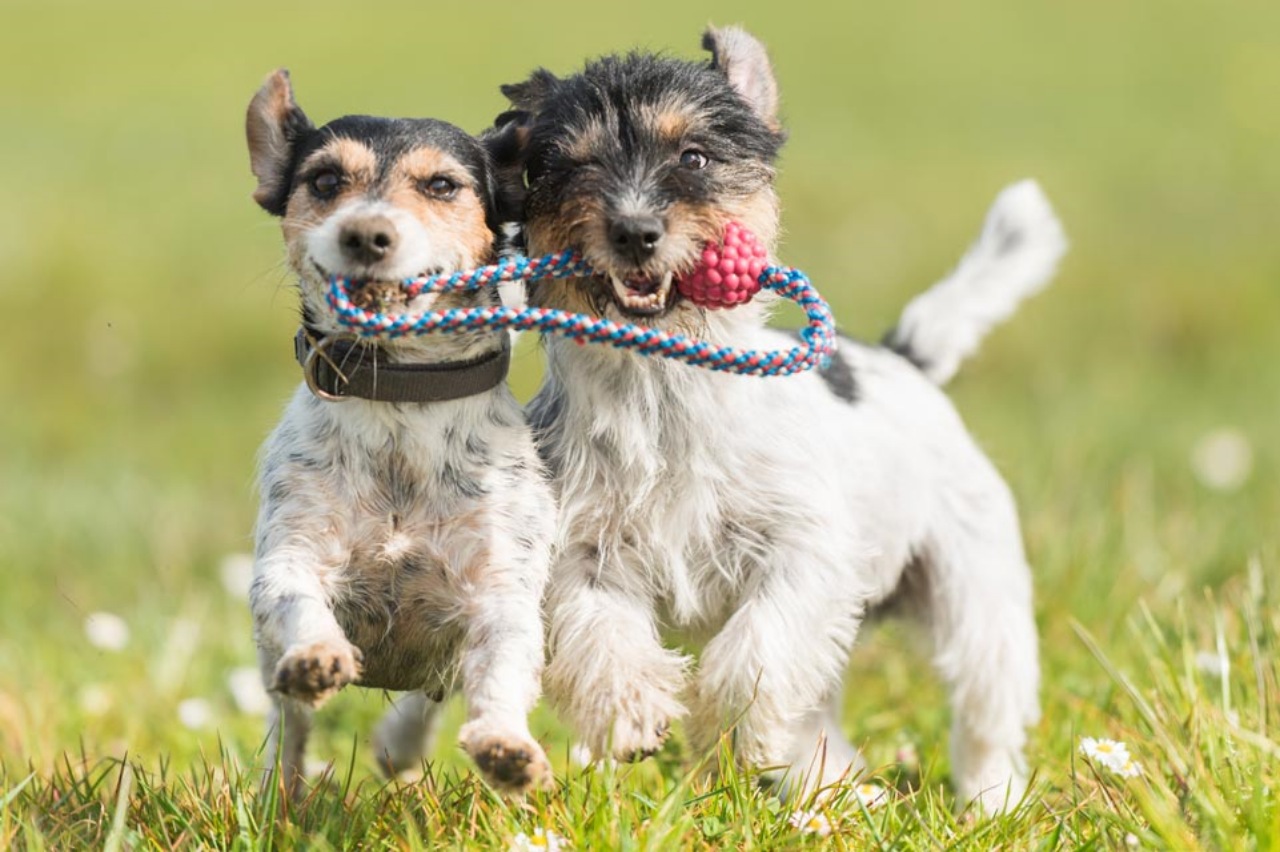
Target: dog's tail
point(1014, 257)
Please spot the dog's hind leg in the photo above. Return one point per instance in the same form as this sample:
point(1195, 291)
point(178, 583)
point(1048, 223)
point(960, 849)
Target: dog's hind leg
point(406, 734)
point(979, 609)
point(821, 755)
point(288, 727)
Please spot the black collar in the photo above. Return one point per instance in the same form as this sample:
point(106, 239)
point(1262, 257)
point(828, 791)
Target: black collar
point(337, 368)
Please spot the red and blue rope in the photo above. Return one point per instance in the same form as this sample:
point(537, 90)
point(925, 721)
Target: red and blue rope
point(818, 337)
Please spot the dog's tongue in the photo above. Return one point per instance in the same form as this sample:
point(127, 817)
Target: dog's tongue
point(728, 274)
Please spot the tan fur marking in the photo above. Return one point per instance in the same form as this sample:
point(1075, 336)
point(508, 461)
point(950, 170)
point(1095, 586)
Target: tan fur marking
point(358, 162)
point(759, 212)
point(359, 166)
point(460, 220)
point(583, 144)
point(669, 121)
point(579, 223)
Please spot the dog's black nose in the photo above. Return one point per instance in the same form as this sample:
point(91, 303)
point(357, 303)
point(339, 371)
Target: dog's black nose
point(368, 239)
point(636, 237)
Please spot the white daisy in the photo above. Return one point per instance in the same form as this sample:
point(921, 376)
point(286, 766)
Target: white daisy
point(195, 713)
point(1128, 769)
point(95, 700)
point(1213, 663)
point(811, 822)
point(871, 795)
point(247, 691)
point(1107, 752)
point(1131, 840)
point(1222, 459)
point(107, 631)
point(542, 841)
point(1111, 755)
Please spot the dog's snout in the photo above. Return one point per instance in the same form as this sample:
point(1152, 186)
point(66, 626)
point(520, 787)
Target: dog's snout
point(368, 239)
point(636, 237)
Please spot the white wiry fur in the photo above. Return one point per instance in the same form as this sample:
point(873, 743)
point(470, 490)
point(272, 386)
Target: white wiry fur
point(404, 547)
point(1014, 257)
point(768, 516)
point(401, 546)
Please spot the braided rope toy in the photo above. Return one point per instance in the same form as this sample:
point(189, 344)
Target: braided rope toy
point(818, 336)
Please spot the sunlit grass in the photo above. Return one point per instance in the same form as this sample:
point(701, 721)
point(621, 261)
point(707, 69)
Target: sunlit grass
point(146, 353)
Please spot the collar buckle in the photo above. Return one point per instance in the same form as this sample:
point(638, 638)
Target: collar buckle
point(312, 353)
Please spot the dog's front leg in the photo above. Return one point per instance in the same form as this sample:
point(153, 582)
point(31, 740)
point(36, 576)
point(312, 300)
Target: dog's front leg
point(774, 665)
point(608, 672)
point(304, 655)
point(501, 669)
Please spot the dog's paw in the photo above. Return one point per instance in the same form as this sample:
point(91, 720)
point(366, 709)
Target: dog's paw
point(636, 741)
point(641, 726)
point(313, 673)
point(512, 763)
point(621, 714)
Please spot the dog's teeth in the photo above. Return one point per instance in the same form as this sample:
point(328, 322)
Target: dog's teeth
point(629, 298)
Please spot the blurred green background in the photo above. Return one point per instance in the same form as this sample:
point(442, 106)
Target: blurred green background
point(147, 344)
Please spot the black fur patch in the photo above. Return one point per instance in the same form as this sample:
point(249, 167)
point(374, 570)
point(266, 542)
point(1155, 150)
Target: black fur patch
point(390, 139)
point(839, 375)
point(607, 105)
point(895, 341)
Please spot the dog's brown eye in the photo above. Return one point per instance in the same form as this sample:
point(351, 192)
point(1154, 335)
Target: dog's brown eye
point(438, 187)
point(325, 184)
point(693, 159)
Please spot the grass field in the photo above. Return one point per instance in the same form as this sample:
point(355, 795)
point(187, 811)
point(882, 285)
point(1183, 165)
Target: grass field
point(147, 352)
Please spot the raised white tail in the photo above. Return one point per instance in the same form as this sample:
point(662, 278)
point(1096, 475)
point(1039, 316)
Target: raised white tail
point(1014, 257)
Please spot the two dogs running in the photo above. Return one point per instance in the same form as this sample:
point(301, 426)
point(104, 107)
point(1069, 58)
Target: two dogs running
point(419, 532)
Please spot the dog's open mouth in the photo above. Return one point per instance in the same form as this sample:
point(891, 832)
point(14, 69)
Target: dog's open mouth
point(641, 294)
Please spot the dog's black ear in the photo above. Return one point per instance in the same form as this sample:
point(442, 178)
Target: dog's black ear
point(273, 126)
point(743, 59)
point(530, 95)
point(505, 144)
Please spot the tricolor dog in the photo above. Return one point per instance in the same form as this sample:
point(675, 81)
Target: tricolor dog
point(403, 537)
point(767, 517)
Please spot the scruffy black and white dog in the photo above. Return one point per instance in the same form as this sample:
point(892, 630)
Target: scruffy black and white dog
point(767, 516)
point(404, 531)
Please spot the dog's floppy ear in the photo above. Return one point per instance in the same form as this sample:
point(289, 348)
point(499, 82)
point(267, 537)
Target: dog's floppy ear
point(505, 144)
point(273, 126)
point(530, 95)
point(743, 59)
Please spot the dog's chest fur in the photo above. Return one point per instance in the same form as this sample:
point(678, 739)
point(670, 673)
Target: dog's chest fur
point(422, 501)
point(679, 483)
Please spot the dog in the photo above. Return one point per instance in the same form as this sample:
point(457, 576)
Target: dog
point(403, 537)
point(766, 518)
